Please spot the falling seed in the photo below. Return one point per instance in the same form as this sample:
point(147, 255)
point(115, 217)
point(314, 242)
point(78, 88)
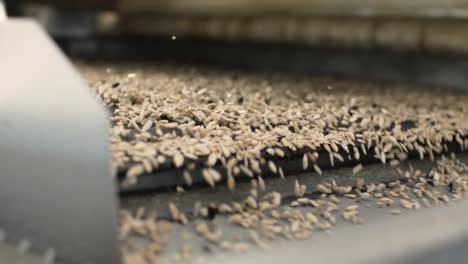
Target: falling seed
point(312, 218)
point(344, 146)
point(183, 219)
point(208, 177)
point(303, 189)
point(314, 203)
point(246, 171)
point(406, 204)
point(226, 245)
point(215, 175)
point(303, 201)
point(250, 201)
point(272, 166)
point(281, 173)
point(360, 183)
point(187, 178)
point(357, 169)
point(357, 155)
point(270, 151)
point(321, 188)
point(317, 169)
point(394, 163)
point(297, 188)
point(279, 152)
point(334, 199)
point(352, 207)
point(365, 196)
point(305, 162)
point(231, 183)
point(147, 125)
point(385, 202)
point(338, 157)
point(295, 204)
point(343, 189)
point(240, 247)
point(211, 161)
point(332, 159)
point(224, 209)
point(178, 160)
point(147, 166)
point(261, 184)
point(135, 171)
point(203, 212)
point(173, 211)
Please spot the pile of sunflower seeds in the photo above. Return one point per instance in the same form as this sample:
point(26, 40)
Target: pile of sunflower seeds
point(188, 119)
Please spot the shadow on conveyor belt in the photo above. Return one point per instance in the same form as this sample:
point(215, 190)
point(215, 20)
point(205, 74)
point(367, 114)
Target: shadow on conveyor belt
point(374, 173)
point(167, 177)
point(442, 70)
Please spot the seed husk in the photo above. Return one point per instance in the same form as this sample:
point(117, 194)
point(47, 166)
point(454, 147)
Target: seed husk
point(317, 169)
point(343, 189)
point(312, 218)
point(178, 160)
point(353, 207)
point(272, 167)
point(406, 204)
point(394, 212)
point(187, 178)
point(261, 184)
point(297, 189)
point(305, 162)
point(357, 169)
point(135, 171)
point(212, 159)
point(321, 188)
point(281, 173)
point(208, 177)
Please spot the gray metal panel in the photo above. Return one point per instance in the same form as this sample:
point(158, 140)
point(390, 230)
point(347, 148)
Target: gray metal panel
point(56, 187)
point(416, 237)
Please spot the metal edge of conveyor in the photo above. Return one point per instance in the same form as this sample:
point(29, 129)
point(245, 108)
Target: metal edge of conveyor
point(56, 192)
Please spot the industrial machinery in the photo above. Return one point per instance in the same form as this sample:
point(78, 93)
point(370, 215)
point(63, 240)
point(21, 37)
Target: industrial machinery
point(234, 106)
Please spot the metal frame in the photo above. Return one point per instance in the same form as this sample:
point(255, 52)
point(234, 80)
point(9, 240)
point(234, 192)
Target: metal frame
point(56, 190)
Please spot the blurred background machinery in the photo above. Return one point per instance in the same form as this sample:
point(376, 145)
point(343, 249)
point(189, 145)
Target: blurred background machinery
point(422, 41)
point(420, 25)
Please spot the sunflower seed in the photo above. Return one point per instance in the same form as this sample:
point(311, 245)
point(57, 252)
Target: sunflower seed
point(305, 162)
point(321, 188)
point(357, 169)
point(394, 212)
point(272, 167)
point(261, 184)
point(317, 169)
point(178, 160)
point(297, 189)
point(187, 178)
